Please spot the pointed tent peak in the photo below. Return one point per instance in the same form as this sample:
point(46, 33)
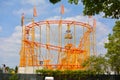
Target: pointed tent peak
point(90, 16)
point(22, 19)
point(34, 11)
point(62, 9)
point(94, 22)
point(23, 14)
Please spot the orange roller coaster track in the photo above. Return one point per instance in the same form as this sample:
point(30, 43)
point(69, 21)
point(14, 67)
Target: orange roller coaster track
point(57, 44)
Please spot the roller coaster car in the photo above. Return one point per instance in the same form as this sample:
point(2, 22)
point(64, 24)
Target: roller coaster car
point(68, 46)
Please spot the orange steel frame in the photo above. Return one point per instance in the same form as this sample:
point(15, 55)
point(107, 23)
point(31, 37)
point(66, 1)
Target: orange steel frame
point(69, 56)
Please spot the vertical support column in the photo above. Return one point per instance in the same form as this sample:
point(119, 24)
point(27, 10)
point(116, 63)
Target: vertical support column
point(22, 51)
point(47, 44)
point(59, 40)
point(94, 37)
point(40, 46)
point(74, 35)
point(32, 53)
point(88, 47)
point(75, 52)
point(30, 50)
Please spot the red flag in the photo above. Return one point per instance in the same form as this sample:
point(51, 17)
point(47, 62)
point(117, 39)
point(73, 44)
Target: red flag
point(94, 23)
point(90, 16)
point(22, 19)
point(62, 9)
point(34, 12)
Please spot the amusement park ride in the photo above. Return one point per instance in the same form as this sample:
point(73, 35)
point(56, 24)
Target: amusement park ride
point(56, 44)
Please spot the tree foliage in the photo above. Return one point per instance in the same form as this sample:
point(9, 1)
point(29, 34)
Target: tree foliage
point(113, 48)
point(66, 74)
point(70, 1)
point(96, 64)
point(14, 77)
point(54, 1)
point(16, 69)
point(110, 8)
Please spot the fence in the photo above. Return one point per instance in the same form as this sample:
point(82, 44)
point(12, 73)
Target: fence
point(57, 77)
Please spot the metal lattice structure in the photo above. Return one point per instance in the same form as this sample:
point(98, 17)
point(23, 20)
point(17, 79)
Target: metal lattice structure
point(57, 44)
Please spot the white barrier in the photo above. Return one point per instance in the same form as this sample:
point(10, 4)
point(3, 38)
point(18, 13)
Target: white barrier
point(49, 78)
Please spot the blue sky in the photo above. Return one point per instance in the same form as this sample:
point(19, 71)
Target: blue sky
point(10, 29)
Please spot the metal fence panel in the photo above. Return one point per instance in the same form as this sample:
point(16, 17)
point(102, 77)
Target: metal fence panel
point(59, 77)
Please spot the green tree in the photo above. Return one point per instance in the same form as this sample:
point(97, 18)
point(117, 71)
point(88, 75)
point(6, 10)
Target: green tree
point(96, 64)
point(14, 77)
point(70, 1)
point(9, 70)
point(113, 48)
point(16, 69)
point(110, 8)
point(54, 1)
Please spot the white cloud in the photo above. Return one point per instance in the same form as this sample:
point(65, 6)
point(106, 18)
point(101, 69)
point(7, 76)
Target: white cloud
point(0, 29)
point(102, 32)
point(29, 11)
point(100, 45)
point(25, 11)
point(10, 48)
point(54, 18)
point(102, 29)
point(7, 3)
point(33, 2)
point(58, 10)
point(103, 41)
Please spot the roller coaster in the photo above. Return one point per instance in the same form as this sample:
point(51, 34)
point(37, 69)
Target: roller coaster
point(57, 44)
